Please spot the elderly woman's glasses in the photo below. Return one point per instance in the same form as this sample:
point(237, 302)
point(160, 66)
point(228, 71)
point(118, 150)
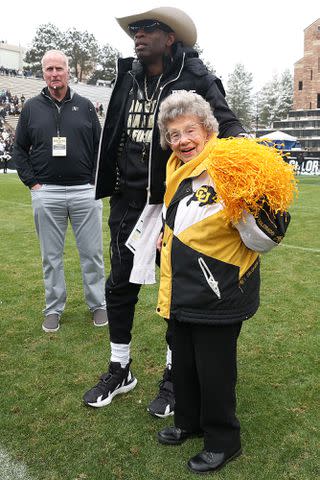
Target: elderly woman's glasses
point(191, 132)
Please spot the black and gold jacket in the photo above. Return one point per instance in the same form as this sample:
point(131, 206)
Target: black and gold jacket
point(210, 268)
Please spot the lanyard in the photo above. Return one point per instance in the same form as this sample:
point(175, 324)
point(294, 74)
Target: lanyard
point(57, 117)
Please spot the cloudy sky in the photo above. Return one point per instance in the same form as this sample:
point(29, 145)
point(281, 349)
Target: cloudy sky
point(265, 36)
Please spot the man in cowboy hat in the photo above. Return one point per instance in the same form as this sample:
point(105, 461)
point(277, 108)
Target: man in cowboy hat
point(131, 169)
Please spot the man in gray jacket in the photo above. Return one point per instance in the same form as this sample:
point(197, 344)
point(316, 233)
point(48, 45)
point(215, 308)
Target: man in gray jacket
point(55, 153)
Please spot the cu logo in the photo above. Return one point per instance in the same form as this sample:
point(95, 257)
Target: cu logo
point(205, 195)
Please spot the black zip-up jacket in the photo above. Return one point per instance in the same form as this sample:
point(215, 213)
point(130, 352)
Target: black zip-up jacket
point(187, 72)
point(40, 120)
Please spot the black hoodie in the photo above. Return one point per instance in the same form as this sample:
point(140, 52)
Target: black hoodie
point(185, 72)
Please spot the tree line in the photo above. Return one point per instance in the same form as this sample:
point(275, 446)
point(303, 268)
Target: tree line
point(86, 57)
point(89, 60)
point(259, 110)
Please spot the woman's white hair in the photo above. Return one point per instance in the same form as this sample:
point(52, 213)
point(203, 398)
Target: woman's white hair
point(184, 103)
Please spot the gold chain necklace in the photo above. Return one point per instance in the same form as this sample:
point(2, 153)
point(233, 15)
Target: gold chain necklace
point(154, 91)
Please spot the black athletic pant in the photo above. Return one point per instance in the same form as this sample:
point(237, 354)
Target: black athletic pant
point(204, 381)
point(121, 295)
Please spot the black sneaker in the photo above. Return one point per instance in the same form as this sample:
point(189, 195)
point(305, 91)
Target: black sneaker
point(116, 380)
point(163, 405)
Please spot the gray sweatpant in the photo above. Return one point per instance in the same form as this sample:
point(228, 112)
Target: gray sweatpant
point(53, 206)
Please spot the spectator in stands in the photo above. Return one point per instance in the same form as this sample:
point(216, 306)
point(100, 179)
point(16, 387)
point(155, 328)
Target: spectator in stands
point(10, 103)
point(5, 158)
point(9, 140)
point(6, 142)
point(55, 153)
point(132, 170)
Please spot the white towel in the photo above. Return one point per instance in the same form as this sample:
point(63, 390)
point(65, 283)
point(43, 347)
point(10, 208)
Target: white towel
point(143, 244)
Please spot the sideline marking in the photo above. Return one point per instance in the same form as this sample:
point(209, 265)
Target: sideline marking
point(305, 249)
point(11, 469)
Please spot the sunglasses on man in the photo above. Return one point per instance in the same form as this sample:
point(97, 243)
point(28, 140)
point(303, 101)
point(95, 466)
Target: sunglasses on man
point(148, 26)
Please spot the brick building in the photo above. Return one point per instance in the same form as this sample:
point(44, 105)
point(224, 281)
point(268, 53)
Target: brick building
point(307, 71)
point(303, 121)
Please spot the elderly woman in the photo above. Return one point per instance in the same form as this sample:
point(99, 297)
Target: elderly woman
point(209, 281)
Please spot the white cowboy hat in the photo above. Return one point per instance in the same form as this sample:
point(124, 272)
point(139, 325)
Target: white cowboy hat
point(180, 22)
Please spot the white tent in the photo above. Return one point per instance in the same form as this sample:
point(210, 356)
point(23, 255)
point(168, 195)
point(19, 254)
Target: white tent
point(279, 136)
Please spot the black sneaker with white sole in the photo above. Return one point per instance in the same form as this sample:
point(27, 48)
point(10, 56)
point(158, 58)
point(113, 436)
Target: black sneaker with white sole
point(163, 405)
point(117, 380)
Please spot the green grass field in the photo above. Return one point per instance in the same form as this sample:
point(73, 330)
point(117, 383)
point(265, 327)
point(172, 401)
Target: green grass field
point(43, 422)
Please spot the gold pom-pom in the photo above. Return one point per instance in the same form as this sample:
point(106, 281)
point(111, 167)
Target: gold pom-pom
point(246, 172)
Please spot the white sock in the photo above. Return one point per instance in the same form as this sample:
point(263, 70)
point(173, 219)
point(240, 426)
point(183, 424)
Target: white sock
point(169, 358)
point(120, 352)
